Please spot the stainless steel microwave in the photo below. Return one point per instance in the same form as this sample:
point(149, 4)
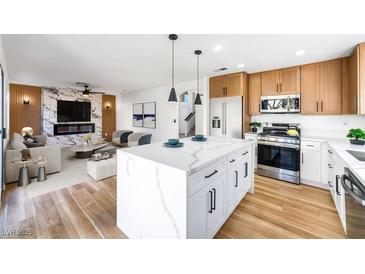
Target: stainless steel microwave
point(280, 104)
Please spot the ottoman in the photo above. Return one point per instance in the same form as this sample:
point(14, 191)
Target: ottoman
point(102, 169)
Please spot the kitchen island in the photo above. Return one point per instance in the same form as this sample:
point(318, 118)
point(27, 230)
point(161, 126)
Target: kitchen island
point(185, 192)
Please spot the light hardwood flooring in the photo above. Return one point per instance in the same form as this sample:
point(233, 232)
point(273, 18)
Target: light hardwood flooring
point(88, 210)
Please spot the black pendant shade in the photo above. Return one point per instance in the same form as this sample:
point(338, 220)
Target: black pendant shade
point(173, 97)
point(198, 100)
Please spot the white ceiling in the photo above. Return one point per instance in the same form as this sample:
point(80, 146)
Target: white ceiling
point(120, 63)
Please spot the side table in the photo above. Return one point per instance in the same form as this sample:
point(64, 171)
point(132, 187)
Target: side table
point(24, 176)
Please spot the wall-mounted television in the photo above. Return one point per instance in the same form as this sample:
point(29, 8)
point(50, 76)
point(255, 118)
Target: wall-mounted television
point(73, 111)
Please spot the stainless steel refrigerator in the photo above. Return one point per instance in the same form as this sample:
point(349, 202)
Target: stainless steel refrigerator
point(226, 117)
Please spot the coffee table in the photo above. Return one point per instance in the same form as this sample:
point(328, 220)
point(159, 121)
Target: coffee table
point(85, 151)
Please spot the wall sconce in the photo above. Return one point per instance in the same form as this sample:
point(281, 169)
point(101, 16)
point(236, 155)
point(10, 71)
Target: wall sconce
point(107, 105)
point(26, 101)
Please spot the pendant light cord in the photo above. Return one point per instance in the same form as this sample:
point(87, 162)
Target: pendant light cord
point(197, 70)
point(173, 62)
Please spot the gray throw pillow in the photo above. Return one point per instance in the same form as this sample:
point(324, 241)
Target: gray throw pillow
point(17, 145)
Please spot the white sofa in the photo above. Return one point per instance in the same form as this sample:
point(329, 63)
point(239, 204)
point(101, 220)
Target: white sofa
point(52, 152)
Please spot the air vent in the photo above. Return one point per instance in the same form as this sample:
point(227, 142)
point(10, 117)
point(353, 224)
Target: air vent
point(219, 69)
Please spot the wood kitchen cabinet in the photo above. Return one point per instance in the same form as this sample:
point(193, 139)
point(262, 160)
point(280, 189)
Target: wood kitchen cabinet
point(330, 95)
point(321, 91)
point(290, 80)
point(354, 82)
point(270, 83)
point(282, 81)
point(227, 85)
point(217, 86)
point(254, 93)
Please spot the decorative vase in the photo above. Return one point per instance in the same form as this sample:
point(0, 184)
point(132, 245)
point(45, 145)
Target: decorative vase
point(357, 142)
point(254, 129)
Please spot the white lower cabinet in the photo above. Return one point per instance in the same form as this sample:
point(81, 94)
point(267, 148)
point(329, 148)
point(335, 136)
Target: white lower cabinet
point(339, 193)
point(216, 206)
point(209, 208)
point(310, 165)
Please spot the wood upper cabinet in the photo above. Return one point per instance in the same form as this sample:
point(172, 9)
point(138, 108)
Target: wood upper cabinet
point(227, 85)
point(309, 80)
point(254, 93)
point(234, 84)
point(290, 80)
point(321, 88)
point(282, 81)
point(356, 85)
point(330, 95)
point(217, 86)
point(270, 82)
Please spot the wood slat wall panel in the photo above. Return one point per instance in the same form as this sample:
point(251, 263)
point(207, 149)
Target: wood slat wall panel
point(25, 115)
point(108, 116)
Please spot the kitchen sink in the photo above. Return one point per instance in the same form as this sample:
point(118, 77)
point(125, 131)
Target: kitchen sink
point(359, 155)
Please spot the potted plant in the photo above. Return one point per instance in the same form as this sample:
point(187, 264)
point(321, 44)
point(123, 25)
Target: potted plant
point(357, 136)
point(254, 126)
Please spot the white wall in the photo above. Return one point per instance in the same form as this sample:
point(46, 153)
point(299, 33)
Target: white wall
point(317, 125)
point(166, 112)
point(5, 99)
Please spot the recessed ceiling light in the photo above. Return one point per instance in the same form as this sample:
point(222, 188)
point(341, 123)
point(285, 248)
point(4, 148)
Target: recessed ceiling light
point(241, 65)
point(299, 52)
point(218, 47)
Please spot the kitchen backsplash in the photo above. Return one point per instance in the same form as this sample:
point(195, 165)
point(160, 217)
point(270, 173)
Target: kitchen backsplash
point(317, 125)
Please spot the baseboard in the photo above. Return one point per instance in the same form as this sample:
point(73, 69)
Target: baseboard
point(315, 184)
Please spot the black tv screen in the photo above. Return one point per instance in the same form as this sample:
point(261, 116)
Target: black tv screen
point(73, 111)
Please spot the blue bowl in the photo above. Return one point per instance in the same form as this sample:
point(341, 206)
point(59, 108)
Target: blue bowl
point(199, 137)
point(173, 142)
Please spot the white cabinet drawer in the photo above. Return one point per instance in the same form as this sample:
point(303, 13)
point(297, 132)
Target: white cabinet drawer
point(232, 160)
point(310, 145)
point(200, 179)
point(243, 154)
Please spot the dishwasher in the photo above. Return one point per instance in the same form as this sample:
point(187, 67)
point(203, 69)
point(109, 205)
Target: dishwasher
point(354, 204)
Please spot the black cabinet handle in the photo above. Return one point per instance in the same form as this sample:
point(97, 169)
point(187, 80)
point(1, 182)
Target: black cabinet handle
point(236, 185)
point(330, 165)
point(215, 196)
point(246, 169)
point(233, 160)
point(337, 191)
point(329, 183)
point(211, 202)
point(210, 175)
point(244, 153)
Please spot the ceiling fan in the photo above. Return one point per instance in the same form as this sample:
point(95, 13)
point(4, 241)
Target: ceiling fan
point(87, 90)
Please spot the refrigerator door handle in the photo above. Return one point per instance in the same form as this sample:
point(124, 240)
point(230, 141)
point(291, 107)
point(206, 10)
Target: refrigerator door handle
point(223, 118)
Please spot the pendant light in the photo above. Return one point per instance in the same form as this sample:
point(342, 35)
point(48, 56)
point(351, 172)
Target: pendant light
point(172, 97)
point(198, 100)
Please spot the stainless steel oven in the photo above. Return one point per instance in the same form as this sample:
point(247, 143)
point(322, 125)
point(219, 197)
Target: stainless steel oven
point(278, 154)
point(279, 160)
point(280, 104)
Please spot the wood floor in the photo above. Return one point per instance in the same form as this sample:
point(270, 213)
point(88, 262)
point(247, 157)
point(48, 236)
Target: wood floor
point(88, 210)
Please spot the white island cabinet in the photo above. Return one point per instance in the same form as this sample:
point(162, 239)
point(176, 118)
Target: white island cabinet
point(186, 192)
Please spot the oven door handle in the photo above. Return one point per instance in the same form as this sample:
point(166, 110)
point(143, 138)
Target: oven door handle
point(297, 147)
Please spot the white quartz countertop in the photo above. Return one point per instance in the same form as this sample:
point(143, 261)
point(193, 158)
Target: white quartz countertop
point(193, 156)
point(340, 146)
